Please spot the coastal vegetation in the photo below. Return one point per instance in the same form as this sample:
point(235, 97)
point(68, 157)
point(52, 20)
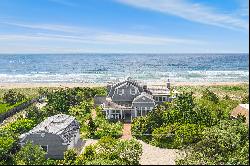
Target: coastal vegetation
point(199, 125)
point(196, 122)
point(77, 102)
point(110, 151)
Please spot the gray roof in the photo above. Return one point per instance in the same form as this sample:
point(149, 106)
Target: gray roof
point(98, 100)
point(159, 90)
point(132, 82)
point(111, 105)
point(63, 125)
point(144, 94)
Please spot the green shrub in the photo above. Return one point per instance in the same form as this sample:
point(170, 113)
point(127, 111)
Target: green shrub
point(176, 135)
point(209, 95)
point(11, 97)
point(7, 148)
point(30, 155)
point(111, 151)
point(102, 128)
point(69, 157)
point(225, 143)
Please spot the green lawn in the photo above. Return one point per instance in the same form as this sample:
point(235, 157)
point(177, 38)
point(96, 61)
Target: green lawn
point(6, 107)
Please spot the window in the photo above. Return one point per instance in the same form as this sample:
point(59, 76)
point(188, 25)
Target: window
point(120, 91)
point(142, 111)
point(45, 148)
point(132, 91)
point(160, 98)
point(138, 112)
point(156, 99)
point(163, 98)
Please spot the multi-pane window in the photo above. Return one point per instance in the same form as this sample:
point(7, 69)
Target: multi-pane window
point(115, 114)
point(132, 91)
point(120, 91)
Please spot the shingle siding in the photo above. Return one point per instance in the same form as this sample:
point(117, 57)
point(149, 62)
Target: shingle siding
point(54, 142)
point(126, 96)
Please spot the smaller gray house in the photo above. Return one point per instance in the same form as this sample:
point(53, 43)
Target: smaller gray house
point(55, 135)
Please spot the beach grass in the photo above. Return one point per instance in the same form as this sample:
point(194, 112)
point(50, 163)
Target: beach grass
point(233, 91)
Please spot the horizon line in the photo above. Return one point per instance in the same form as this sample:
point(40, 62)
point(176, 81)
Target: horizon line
point(128, 53)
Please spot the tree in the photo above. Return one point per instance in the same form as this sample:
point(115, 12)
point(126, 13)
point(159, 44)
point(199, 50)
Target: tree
point(91, 127)
point(11, 97)
point(30, 155)
point(209, 95)
point(185, 104)
point(62, 99)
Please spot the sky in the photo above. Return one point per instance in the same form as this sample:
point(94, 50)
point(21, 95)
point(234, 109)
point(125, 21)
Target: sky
point(124, 26)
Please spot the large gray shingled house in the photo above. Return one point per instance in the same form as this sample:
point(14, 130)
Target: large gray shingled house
point(55, 135)
point(129, 99)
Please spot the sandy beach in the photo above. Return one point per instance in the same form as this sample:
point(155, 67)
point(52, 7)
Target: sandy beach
point(71, 85)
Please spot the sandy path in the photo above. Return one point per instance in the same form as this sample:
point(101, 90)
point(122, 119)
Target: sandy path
point(87, 143)
point(152, 155)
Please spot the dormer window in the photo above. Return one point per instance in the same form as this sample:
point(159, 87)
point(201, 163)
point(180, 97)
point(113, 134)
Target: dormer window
point(120, 91)
point(132, 91)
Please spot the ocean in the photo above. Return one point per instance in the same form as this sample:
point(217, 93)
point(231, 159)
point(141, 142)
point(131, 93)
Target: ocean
point(103, 68)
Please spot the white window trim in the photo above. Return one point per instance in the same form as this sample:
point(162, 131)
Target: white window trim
point(120, 92)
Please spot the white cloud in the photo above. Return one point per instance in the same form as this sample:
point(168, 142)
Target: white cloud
point(191, 11)
point(87, 35)
point(49, 27)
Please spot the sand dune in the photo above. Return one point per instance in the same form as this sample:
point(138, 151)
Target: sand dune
point(70, 85)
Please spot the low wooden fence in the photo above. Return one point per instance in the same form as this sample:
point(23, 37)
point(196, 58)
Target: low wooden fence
point(16, 109)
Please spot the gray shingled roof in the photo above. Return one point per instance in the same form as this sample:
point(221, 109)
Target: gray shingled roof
point(60, 124)
point(133, 82)
point(144, 94)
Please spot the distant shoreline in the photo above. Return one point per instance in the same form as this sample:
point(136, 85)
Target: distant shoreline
point(71, 85)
